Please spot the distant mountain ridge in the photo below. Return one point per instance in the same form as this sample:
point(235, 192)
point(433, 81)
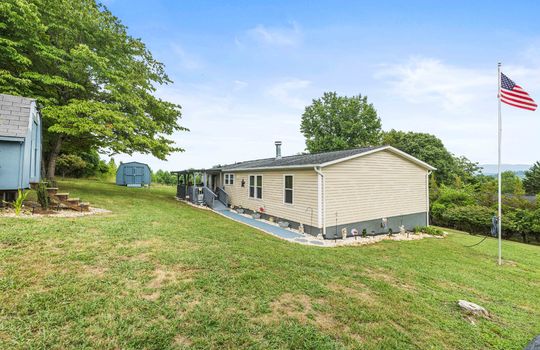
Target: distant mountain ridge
point(491, 169)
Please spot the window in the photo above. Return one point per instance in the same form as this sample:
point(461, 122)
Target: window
point(288, 189)
point(229, 179)
point(255, 186)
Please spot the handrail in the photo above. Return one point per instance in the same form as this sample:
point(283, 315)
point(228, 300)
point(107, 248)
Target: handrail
point(222, 196)
point(208, 196)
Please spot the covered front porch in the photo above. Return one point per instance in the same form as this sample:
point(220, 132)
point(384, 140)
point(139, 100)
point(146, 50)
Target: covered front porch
point(202, 187)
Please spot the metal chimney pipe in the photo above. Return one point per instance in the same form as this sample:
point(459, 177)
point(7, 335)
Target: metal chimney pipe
point(278, 149)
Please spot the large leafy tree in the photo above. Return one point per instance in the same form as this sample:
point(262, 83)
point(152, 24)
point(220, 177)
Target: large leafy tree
point(531, 182)
point(335, 122)
point(431, 150)
point(94, 81)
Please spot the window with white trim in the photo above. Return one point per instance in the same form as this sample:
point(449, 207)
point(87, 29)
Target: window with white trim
point(255, 186)
point(288, 189)
point(229, 179)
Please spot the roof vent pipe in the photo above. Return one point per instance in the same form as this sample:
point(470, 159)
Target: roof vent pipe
point(278, 149)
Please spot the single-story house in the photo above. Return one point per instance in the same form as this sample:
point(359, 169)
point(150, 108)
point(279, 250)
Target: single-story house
point(20, 144)
point(133, 174)
point(374, 188)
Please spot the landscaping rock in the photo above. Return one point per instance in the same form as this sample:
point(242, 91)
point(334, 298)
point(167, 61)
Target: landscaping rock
point(534, 344)
point(472, 308)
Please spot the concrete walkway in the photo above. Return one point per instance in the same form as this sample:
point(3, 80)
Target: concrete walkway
point(274, 230)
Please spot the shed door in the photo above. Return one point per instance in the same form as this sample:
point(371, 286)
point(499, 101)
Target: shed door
point(138, 174)
point(129, 173)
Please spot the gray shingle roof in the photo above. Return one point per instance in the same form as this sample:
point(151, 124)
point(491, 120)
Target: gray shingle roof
point(297, 160)
point(14, 115)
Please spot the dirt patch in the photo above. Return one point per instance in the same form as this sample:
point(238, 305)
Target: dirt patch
point(180, 340)
point(163, 276)
point(96, 271)
point(356, 290)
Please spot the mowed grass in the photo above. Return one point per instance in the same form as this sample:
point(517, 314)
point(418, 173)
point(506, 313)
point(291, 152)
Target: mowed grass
point(158, 274)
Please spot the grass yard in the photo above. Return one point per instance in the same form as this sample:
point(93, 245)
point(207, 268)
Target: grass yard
point(158, 274)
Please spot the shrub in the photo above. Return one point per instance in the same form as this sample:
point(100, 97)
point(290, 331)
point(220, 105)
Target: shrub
point(364, 233)
point(470, 218)
point(430, 230)
point(43, 195)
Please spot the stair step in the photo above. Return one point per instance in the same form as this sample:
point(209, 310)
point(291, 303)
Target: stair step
point(63, 194)
point(73, 199)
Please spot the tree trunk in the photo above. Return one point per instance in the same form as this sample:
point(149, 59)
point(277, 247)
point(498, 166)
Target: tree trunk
point(51, 167)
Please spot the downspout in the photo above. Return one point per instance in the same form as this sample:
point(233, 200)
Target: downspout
point(321, 204)
point(427, 197)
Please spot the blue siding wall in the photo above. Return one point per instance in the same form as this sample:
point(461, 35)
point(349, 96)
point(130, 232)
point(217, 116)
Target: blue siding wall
point(20, 157)
point(133, 173)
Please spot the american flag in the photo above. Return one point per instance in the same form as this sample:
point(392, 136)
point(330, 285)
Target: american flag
point(514, 95)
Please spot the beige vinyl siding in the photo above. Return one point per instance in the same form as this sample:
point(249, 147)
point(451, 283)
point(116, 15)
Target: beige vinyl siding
point(304, 194)
point(377, 185)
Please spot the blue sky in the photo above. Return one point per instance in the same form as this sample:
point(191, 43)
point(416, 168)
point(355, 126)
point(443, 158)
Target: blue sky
point(243, 71)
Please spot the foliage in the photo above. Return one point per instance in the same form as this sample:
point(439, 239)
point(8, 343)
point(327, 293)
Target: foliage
point(364, 233)
point(430, 230)
point(531, 182)
point(18, 203)
point(43, 197)
point(164, 177)
point(471, 218)
point(95, 82)
point(335, 122)
point(431, 150)
point(511, 183)
point(70, 165)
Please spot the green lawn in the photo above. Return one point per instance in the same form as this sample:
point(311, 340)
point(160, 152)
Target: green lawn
point(159, 274)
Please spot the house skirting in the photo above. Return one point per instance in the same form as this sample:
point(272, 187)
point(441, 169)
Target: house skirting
point(372, 226)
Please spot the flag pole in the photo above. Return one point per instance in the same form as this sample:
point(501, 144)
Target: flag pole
point(499, 226)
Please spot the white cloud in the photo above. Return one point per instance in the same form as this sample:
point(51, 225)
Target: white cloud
point(421, 80)
point(284, 36)
point(291, 93)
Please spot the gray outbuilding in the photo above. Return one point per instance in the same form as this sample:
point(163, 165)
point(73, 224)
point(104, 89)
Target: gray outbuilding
point(20, 144)
point(133, 174)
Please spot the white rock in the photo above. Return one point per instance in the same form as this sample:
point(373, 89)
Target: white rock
point(472, 308)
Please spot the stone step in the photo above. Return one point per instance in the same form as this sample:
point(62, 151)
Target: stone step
point(73, 200)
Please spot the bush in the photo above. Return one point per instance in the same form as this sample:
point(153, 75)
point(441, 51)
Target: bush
point(430, 230)
point(471, 218)
point(43, 195)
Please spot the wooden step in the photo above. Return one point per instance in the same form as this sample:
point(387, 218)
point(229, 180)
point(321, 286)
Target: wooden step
point(62, 196)
point(85, 206)
point(52, 190)
point(73, 200)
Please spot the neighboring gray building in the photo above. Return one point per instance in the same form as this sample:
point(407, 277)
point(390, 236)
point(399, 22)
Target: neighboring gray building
point(133, 174)
point(20, 143)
